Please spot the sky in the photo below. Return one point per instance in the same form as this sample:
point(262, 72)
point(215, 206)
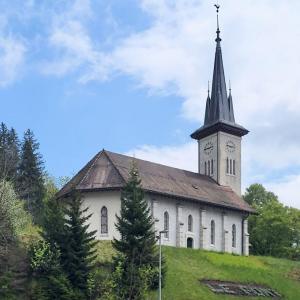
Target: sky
point(131, 77)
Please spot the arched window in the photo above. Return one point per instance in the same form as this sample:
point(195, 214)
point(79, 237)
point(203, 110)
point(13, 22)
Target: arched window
point(233, 167)
point(209, 167)
point(190, 223)
point(166, 224)
point(212, 167)
point(205, 168)
point(233, 236)
point(104, 220)
point(212, 232)
point(230, 166)
point(227, 165)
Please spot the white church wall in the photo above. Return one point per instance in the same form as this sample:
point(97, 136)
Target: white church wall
point(95, 201)
point(214, 214)
point(190, 208)
point(164, 205)
point(159, 205)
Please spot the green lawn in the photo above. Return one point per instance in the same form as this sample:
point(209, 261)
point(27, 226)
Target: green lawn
point(187, 266)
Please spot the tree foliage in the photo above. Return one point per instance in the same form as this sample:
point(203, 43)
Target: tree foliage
point(275, 230)
point(9, 154)
point(12, 215)
point(31, 176)
point(50, 280)
point(80, 252)
point(137, 244)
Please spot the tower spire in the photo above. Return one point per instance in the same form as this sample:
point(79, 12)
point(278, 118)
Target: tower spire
point(219, 113)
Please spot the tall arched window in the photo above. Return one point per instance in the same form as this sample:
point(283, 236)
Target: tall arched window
point(166, 224)
point(212, 232)
point(190, 223)
point(209, 167)
point(205, 168)
point(104, 220)
point(212, 167)
point(233, 236)
point(233, 167)
point(230, 166)
point(227, 165)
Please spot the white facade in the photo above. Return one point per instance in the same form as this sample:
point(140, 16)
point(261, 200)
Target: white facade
point(197, 232)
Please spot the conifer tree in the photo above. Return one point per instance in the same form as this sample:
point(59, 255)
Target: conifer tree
point(79, 253)
point(137, 243)
point(9, 153)
point(30, 183)
point(13, 146)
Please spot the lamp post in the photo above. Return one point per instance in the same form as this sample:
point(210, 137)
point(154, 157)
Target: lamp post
point(159, 237)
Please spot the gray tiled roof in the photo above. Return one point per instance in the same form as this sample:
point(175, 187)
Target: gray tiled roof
point(108, 170)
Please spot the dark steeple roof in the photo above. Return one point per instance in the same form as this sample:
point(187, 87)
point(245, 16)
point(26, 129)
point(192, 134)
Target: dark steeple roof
point(219, 114)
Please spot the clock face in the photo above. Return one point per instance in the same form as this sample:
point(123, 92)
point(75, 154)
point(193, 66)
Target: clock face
point(230, 146)
point(208, 147)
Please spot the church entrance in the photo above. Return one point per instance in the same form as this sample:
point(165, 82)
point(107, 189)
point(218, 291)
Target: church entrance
point(189, 242)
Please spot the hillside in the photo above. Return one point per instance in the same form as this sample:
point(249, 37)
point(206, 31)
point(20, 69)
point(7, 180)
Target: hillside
point(187, 266)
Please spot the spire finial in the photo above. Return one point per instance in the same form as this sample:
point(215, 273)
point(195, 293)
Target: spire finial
point(218, 39)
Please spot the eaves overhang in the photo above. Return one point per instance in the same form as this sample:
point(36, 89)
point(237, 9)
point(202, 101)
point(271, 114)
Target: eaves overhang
point(223, 126)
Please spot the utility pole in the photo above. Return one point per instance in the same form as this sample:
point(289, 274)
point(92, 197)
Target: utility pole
point(159, 237)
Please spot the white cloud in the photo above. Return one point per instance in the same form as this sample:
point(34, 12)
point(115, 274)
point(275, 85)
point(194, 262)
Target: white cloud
point(182, 156)
point(287, 190)
point(12, 57)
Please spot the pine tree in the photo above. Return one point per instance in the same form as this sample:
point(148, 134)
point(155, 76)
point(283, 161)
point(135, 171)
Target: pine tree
point(13, 156)
point(79, 254)
point(137, 243)
point(30, 183)
point(3, 150)
point(9, 153)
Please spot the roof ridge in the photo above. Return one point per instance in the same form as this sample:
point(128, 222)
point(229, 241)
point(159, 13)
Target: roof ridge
point(151, 162)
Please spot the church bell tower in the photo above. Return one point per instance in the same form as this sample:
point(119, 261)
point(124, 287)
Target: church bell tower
point(219, 139)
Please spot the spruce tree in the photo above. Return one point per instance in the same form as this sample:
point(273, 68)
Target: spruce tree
point(30, 183)
point(9, 153)
point(13, 146)
point(79, 252)
point(3, 150)
point(137, 243)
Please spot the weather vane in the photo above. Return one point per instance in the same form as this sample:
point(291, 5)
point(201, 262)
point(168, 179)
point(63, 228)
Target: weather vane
point(217, 6)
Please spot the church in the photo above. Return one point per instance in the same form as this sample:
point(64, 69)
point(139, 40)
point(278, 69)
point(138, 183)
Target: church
point(202, 210)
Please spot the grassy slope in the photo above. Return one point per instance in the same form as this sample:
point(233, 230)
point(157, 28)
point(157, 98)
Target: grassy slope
point(187, 266)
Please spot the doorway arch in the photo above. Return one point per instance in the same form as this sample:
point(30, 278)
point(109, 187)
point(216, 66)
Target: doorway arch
point(190, 242)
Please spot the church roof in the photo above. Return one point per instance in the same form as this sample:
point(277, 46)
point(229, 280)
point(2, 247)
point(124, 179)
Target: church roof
point(110, 171)
point(219, 106)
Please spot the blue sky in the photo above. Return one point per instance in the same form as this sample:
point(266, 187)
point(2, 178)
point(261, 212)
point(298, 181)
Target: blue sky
point(131, 76)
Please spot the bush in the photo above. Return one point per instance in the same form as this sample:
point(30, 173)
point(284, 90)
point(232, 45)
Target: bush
point(50, 281)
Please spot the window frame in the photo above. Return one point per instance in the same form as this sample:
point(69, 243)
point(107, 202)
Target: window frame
point(166, 224)
point(104, 220)
point(212, 232)
point(190, 223)
point(233, 238)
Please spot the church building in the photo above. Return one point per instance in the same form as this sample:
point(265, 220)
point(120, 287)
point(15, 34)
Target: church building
point(202, 210)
